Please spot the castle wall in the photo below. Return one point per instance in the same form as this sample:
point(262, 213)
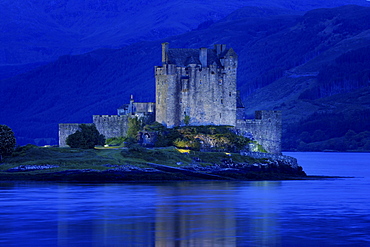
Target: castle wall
point(144, 107)
point(207, 94)
point(66, 129)
point(266, 129)
point(111, 125)
point(167, 101)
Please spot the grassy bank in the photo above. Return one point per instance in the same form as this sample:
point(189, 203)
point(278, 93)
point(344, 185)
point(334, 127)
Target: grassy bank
point(68, 164)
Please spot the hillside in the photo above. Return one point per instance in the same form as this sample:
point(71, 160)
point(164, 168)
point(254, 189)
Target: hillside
point(280, 60)
point(41, 31)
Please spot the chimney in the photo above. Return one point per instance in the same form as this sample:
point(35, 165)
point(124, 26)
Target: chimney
point(165, 52)
point(220, 48)
point(203, 57)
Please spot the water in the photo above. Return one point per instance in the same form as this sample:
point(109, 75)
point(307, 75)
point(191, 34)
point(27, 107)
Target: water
point(332, 212)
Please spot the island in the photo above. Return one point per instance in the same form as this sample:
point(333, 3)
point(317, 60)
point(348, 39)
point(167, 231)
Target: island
point(195, 130)
point(139, 164)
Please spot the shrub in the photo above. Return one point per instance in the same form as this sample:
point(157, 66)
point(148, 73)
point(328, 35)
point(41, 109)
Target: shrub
point(87, 137)
point(7, 140)
point(134, 126)
point(115, 141)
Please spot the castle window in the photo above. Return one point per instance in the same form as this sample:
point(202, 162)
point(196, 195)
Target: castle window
point(222, 101)
point(230, 94)
point(200, 81)
point(220, 115)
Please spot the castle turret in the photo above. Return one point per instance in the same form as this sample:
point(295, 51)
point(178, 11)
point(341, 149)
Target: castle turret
point(203, 57)
point(165, 53)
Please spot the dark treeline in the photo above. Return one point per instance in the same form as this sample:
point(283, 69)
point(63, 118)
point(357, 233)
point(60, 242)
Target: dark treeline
point(330, 131)
point(347, 72)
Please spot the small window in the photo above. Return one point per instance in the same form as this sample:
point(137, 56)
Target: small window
point(230, 94)
point(222, 101)
point(220, 115)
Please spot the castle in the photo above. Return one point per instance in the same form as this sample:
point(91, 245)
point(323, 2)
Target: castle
point(196, 87)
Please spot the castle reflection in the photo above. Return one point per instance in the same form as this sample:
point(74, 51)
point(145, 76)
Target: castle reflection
point(190, 217)
point(178, 214)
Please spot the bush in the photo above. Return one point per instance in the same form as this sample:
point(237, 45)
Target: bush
point(188, 144)
point(7, 140)
point(115, 141)
point(87, 137)
point(134, 126)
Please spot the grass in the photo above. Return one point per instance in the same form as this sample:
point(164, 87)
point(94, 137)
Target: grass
point(71, 158)
point(70, 162)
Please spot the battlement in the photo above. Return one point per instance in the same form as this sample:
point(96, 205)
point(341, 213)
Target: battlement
point(107, 116)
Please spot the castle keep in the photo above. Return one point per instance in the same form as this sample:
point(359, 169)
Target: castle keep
point(196, 87)
point(197, 83)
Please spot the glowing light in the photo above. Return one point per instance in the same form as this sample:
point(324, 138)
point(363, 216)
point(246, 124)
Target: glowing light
point(184, 151)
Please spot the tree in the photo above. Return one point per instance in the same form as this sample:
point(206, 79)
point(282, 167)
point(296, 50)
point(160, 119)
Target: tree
point(187, 120)
point(134, 126)
point(87, 137)
point(7, 140)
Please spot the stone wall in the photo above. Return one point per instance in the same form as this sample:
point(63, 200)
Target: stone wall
point(66, 129)
point(111, 125)
point(204, 92)
point(167, 98)
point(266, 129)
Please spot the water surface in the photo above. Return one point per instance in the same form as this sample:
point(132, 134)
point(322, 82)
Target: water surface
point(332, 212)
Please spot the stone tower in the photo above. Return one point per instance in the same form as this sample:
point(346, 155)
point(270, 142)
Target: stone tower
point(197, 84)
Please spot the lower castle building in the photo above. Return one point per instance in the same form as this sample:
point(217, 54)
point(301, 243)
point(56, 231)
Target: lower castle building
point(195, 87)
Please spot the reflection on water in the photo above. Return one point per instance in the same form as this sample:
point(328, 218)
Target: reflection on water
point(187, 216)
point(263, 227)
point(265, 213)
point(174, 214)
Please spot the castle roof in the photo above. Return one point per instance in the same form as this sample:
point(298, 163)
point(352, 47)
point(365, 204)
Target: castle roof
point(184, 57)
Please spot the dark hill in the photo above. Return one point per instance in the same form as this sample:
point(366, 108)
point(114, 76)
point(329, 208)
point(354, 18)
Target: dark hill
point(280, 56)
point(39, 31)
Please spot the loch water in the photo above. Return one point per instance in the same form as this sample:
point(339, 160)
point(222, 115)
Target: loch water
point(324, 212)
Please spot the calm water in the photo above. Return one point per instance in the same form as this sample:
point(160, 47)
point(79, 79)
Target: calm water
point(334, 212)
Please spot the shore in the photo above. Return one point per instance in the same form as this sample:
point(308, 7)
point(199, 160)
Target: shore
point(119, 165)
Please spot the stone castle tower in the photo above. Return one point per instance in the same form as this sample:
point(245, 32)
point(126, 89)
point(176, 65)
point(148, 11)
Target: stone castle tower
point(197, 84)
point(195, 87)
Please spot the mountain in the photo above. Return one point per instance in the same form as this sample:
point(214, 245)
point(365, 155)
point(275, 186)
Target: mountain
point(284, 58)
point(37, 31)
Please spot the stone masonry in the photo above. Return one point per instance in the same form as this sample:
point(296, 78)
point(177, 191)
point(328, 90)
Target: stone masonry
point(198, 85)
